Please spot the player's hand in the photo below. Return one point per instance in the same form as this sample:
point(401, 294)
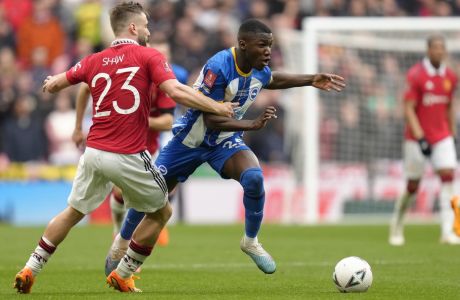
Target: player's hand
point(328, 82)
point(425, 147)
point(226, 109)
point(47, 83)
point(77, 137)
point(262, 119)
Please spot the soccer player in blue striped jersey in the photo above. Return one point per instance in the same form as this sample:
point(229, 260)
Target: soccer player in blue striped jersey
point(235, 75)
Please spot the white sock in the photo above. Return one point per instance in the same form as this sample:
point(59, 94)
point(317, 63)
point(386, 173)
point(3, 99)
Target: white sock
point(120, 243)
point(446, 213)
point(130, 263)
point(39, 257)
point(250, 241)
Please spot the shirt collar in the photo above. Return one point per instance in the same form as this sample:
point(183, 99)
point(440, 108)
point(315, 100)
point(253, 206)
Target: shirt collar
point(432, 71)
point(123, 42)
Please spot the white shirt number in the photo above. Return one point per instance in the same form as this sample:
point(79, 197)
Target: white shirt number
point(125, 86)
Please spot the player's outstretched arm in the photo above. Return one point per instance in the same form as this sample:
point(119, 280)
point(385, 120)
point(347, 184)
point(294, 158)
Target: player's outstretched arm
point(323, 81)
point(53, 84)
point(81, 103)
point(187, 96)
point(220, 123)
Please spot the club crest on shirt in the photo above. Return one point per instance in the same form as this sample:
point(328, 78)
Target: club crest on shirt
point(429, 85)
point(253, 93)
point(447, 85)
point(209, 78)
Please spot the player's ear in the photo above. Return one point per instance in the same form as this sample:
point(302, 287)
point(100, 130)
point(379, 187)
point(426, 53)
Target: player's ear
point(132, 28)
point(242, 44)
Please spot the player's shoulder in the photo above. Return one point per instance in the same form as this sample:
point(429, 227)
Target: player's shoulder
point(264, 75)
point(221, 60)
point(148, 52)
point(415, 71)
point(265, 71)
point(451, 73)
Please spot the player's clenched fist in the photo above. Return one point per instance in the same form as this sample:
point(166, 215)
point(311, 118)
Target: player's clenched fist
point(53, 84)
point(46, 83)
point(262, 119)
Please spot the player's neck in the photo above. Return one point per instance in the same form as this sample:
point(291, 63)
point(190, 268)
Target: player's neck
point(124, 39)
point(241, 62)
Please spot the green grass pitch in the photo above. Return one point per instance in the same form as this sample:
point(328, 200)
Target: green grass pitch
point(205, 262)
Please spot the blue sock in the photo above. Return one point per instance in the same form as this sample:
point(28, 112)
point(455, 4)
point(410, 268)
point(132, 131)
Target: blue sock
point(133, 218)
point(252, 181)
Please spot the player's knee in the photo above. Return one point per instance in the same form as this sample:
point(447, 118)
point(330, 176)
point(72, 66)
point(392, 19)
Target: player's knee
point(116, 195)
point(252, 181)
point(412, 187)
point(447, 176)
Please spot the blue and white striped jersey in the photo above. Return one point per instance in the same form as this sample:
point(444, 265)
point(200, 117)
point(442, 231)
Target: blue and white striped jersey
point(221, 80)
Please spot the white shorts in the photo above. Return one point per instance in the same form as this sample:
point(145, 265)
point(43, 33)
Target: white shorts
point(443, 156)
point(144, 188)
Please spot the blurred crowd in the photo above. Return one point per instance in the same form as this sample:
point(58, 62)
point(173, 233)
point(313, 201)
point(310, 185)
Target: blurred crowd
point(43, 37)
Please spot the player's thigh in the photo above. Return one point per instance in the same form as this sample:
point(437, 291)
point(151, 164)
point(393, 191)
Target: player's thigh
point(444, 155)
point(177, 162)
point(144, 188)
point(90, 186)
point(231, 157)
point(414, 160)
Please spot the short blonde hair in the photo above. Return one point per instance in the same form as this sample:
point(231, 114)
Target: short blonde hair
point(121, 14)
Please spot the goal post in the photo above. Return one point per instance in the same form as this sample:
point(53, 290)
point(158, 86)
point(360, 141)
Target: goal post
point(350, 142)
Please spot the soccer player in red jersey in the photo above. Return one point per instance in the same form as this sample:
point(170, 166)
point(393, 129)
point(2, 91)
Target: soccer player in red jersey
point(119, 78)
point(160, 119)
point(429, 135)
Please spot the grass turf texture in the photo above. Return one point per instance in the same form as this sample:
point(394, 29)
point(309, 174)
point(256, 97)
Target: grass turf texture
point(205, 262)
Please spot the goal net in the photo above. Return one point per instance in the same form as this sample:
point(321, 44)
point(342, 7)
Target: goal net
point(348, 148)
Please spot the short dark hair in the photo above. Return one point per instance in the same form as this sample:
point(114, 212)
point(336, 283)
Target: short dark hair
point(435, 37)
point(253, 26)
point(121, 14)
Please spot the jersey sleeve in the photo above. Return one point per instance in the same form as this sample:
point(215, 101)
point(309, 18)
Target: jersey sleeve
point(164, 101)
point(78, 72)
point(212, 81)
point(160, 70)
point(267, 77)
point(412, 90)
point(454, 85)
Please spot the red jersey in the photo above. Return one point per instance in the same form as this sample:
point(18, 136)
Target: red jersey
point(432, 90)
point(119, 78)
point(160, 101)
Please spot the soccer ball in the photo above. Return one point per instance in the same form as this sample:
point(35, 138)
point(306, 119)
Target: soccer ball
point(352, 274)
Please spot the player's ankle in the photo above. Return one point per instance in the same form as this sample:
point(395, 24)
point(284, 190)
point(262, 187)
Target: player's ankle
point(249, 240)
point(119, 242)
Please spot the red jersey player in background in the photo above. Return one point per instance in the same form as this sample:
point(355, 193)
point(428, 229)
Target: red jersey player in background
point(429, 135)
point(119, 78)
